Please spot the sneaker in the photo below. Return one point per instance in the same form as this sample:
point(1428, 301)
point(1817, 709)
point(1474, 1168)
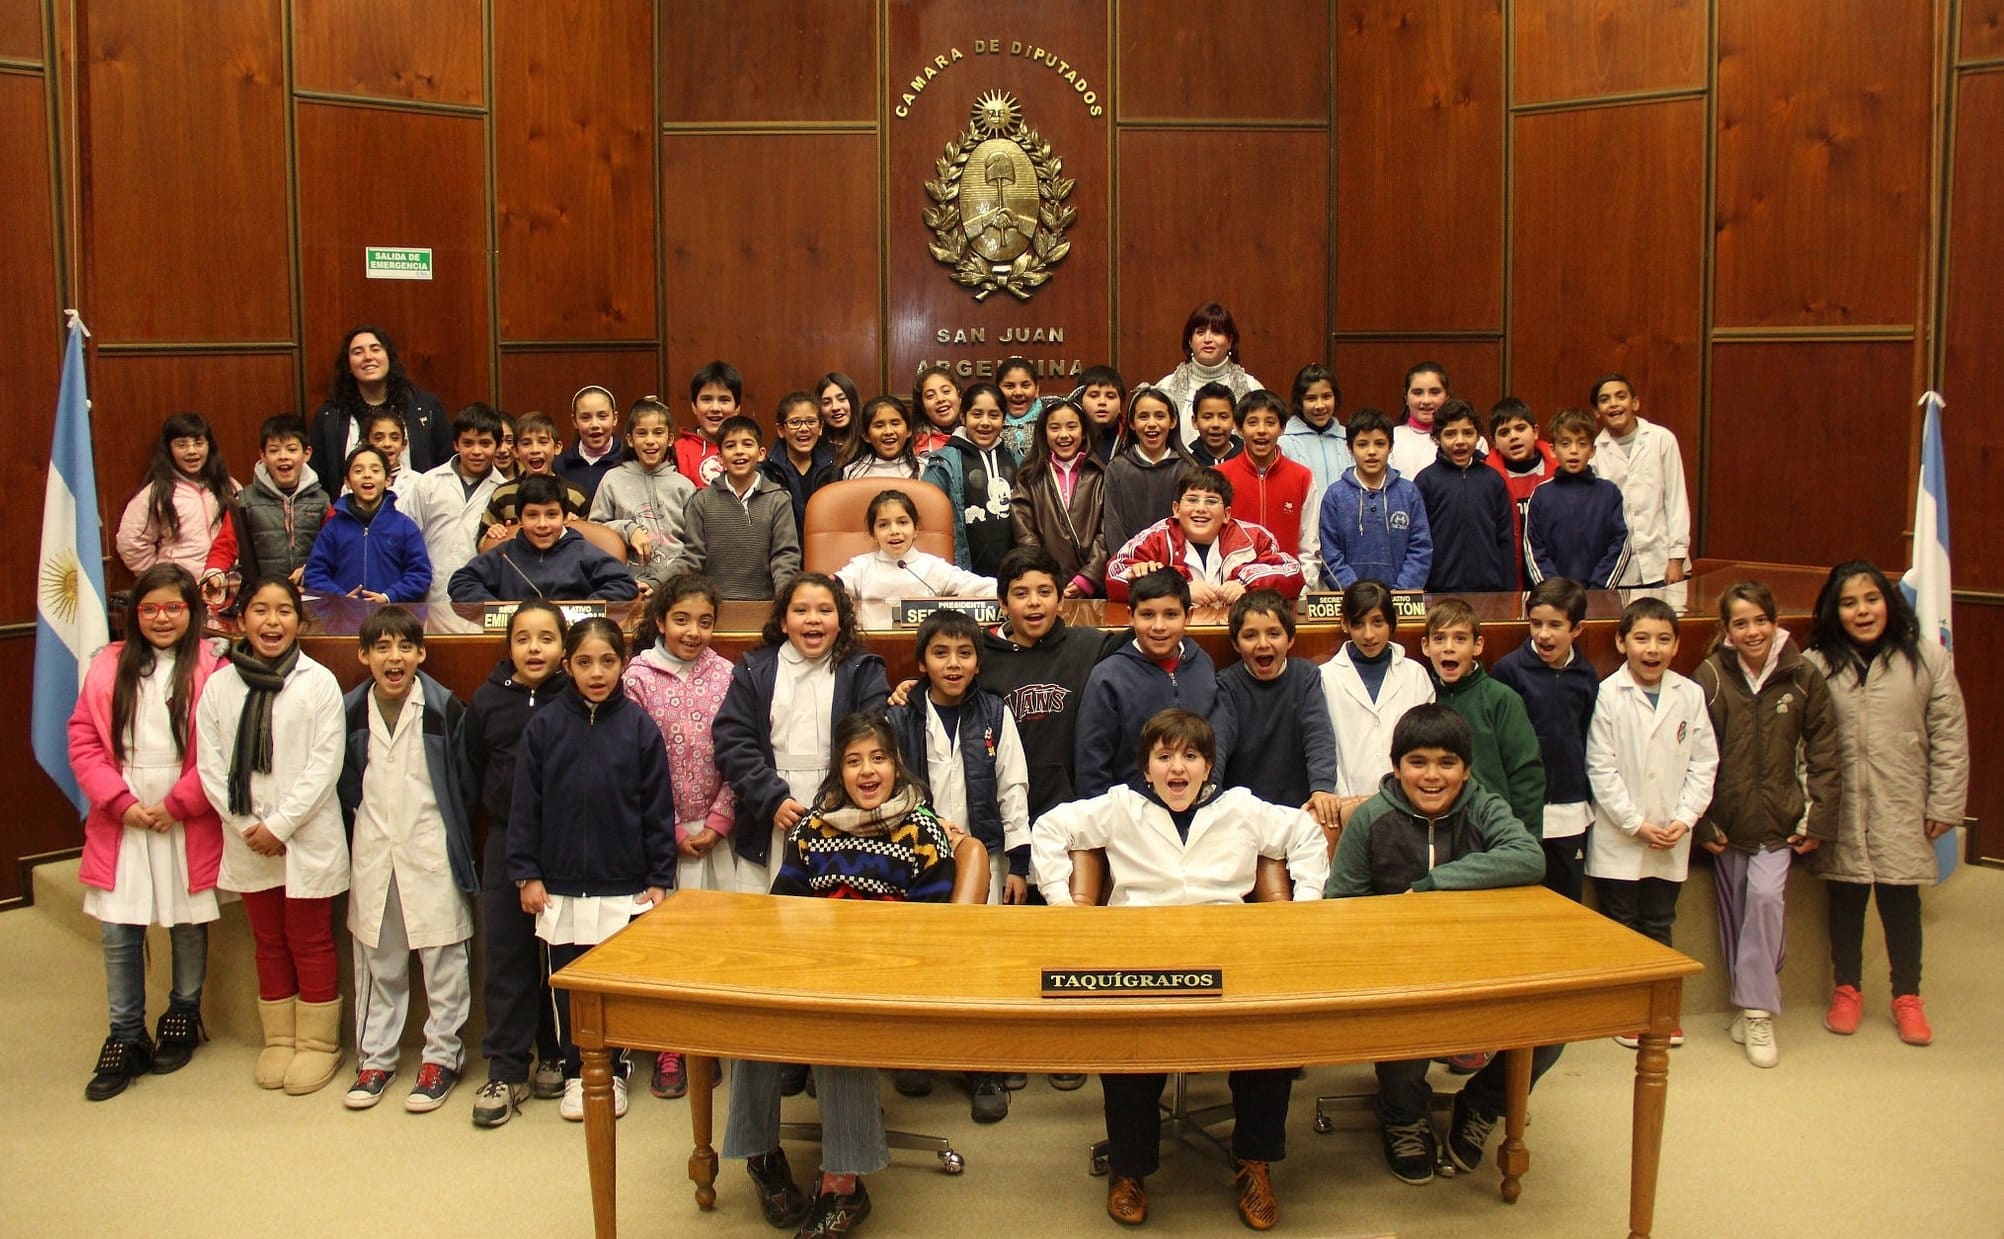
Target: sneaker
point(1410, 1151)
point(671, 1078)
point(118, 1061)
point(1126, 1200)
point(1468, 1132)
point(547, 1082)
point(780, 1199)
point(1630, 1041)
point(179, 1031)
point(1066, 1081)
point(912, 1083)
point(497, 1101)
point(571, 1108)
point(792, 1080)
point(368, 1088)
point(434, 1082)
point(991, 1101)
point(619, 1097)
point(834, 1215)
point(1469, 1064)
point(1846, 1006)
point(1257, 1207)
point(1015, 1081)
point(1755, 1030)
point(1911, 1020)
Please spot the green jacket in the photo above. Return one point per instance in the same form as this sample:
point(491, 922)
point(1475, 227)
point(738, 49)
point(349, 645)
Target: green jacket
point(1388, 849)
point(1508, 760)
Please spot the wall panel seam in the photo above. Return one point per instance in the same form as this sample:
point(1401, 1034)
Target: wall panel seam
point(344, 99)
point(767, 126)
point(1620, 99)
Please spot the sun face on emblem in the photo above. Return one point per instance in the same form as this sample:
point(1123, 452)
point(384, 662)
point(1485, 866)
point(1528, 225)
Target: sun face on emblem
point(59, 585)
point(996, 113)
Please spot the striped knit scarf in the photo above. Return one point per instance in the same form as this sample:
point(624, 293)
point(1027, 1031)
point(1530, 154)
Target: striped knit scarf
point(265, 680)
point(874, 823)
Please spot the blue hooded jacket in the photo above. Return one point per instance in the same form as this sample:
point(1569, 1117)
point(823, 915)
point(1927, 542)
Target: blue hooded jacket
point(1375, 535)
point(1125, 690)
point(1325, 451)
point(384, 554)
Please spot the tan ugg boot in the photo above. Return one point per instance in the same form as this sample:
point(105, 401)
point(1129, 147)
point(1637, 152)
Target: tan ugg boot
point(318, 1055)
point(279, 1026)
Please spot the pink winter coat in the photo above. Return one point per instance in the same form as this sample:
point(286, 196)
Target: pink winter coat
point(141, 545)
point(686, 711)
point(104, 784)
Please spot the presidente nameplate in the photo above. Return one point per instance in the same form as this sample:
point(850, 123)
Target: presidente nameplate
point(1407, 604)
point(494, 615)
point(1133, 982)
point(911, 612)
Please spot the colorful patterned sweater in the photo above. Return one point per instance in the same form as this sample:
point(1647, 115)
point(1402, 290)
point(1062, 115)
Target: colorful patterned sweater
point(683, 702)
point(912, 862)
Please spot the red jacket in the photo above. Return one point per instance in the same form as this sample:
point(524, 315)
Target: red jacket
point(693, 452)
point(102, 781)
point(1252, 557)
point(1273, 500)
point(1521, 485)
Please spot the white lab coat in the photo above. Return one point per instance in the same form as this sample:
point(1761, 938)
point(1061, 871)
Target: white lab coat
point(948, 782)
point(1647, 764)
point(449, 519)
point(1152, 867)
point(1363, 726)
point(1650, 473)
point(399, 833)
point(876, 581)
point(296, 800)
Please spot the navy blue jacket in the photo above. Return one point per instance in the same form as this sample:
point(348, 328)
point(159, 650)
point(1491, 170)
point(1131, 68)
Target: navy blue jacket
point(443, 738)
point(572, 569)
point(743, 736)
point(800, 487)
point(980, 727)
point(1274, 736)
point(1125, 690)
point(500, 709)
point(1474, 527)
point(594, 813)
point(385, 553)
point(572, 467)
point(1560, 703)
point(1574, 528)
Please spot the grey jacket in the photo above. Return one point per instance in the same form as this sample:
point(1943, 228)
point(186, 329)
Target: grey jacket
point(750, 549)
point(631, 498)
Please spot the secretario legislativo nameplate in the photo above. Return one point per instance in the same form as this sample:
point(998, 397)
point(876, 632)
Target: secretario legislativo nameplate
point(1133, 982)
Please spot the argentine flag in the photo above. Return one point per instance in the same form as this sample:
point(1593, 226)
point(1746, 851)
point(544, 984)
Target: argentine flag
point(69, 596)
point(1926, 584)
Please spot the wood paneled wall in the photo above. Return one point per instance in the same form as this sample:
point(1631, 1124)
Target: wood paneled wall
point(1777, 216)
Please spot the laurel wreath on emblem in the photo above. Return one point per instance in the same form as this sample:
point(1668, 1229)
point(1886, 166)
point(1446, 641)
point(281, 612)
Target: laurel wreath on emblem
point(997, 116)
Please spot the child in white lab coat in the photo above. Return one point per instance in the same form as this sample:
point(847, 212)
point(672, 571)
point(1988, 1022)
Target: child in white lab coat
point(1370, 683)
point(898, 569)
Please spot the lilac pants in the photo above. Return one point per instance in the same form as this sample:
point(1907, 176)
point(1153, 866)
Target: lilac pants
point(1752, 931)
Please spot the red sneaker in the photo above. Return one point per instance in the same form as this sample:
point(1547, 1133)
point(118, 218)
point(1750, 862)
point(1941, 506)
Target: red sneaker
point(1911, 1020)
point(1847, 1005)
point(670, 1078)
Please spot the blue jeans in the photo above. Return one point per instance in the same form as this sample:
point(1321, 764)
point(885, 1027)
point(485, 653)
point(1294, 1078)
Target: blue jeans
point(125, 973)
point(852, 1122)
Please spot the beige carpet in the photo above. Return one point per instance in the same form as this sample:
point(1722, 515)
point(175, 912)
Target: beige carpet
point(1858, 1136)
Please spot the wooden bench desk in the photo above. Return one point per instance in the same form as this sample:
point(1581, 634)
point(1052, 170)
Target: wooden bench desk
point(948, 987)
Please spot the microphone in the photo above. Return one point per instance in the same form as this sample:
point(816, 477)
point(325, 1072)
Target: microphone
point(502, 552)
point(930, 592)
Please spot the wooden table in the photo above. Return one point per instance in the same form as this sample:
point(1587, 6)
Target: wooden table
point(1397, 977)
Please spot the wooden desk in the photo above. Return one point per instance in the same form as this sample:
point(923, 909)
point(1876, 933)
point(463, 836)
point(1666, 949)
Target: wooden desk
point(1397, 977)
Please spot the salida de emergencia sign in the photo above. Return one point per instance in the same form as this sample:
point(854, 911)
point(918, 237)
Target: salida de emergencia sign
point(383, 262)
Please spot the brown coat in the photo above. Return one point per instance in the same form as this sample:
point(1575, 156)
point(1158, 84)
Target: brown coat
point(1758, 795)
point(1904, 747)
point(1071, 533)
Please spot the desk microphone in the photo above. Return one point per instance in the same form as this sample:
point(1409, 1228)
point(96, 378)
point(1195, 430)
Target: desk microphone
point(930, 592)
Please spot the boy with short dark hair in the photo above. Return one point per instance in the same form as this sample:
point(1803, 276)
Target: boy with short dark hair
point(1573, 524)
point(1505, 759)
point(448, 500)
point(738, 530)
point(1641, 459)
point(1102, 394)
point(547, 560)
point(715, 392)
point(1158, 668)
point(643, 499)
point(412, 854)
point(1467, 510)
point(1211, 412)
point(1433, 828)
point(1274, 733)
point(1525, 462)
point(1373, 522)
point(1200, 541)
point(596, 451)
point(275, 518)
point(537, 445)
point(1268, 489)
point(1558, 686)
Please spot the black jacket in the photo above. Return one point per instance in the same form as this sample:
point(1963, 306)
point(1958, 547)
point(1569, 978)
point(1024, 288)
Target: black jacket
point(426, 427)
point(1042, 684)
point(1560, 704)
point(594, 813)
point(1474, 527)
point(500, 709)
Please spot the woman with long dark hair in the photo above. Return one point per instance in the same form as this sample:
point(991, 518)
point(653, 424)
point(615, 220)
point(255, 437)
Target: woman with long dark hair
point(369, 375)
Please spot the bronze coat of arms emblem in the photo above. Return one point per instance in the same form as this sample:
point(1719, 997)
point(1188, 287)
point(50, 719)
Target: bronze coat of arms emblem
point(998, 214)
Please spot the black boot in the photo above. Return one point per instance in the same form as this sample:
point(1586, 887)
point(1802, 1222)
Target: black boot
point(179, 1031)
point(117, 1063)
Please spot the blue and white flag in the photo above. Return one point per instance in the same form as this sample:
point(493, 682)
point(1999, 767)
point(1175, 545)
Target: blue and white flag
point(69, 595)
point(1926, 584)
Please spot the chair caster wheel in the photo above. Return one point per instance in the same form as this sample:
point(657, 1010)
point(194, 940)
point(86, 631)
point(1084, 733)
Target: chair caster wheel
point(1324, 1125)
point(952, 1162)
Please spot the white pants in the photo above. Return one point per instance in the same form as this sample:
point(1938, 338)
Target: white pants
point(756, 879)
point(383, 992)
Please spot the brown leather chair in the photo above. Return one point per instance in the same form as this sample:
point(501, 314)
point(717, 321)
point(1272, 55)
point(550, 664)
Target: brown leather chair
point(834, 529)
point(601, 537)
point(970, 885)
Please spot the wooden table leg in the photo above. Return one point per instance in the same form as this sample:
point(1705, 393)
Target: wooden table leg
point(601, 1151)
point(1652, 1085)
point(1513, 1158)
point(703, 1160)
